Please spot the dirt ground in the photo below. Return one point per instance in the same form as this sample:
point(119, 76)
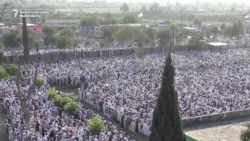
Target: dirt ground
point(229, 130)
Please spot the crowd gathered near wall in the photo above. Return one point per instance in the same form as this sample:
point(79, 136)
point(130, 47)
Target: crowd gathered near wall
point(126, 88)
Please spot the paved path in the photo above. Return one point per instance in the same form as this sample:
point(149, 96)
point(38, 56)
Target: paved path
point(3, 134)
point(229, 130)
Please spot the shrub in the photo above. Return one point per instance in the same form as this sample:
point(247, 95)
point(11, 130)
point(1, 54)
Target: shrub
point(66, 100)
point(58, 101)
point(12, 69)
point(40, 81)
point(96, 125)
point(3, 73)
point(61, 101)
point(71, 107)
point(245, 135)
point(52, 93)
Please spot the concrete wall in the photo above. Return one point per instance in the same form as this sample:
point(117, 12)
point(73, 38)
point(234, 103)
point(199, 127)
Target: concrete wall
point(215, 117)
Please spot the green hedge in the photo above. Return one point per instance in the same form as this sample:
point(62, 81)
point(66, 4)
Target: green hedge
point(66, 102)
point(190, 138)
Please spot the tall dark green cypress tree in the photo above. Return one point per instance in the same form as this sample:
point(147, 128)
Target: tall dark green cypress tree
point(25, 41)
point(166, 124)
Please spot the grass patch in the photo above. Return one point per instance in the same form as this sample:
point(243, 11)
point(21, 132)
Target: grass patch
point(190, 139)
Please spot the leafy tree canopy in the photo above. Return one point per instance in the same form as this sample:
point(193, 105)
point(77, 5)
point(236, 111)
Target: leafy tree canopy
point(124, 7)
point(90, 21)
point(129, 19)
point(12, 39)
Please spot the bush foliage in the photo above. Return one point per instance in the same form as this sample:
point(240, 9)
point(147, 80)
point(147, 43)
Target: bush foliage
point(3, 73)
point(40, 81)
point(65, 102)
point(52, 93)
point(71, 107)
point(96, 126)
point(12, 69)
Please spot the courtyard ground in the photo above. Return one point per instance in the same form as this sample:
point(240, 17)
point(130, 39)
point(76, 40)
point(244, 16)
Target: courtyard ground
point(228, 130)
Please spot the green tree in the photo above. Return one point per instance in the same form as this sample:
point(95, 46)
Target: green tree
point(214, 31)
point(40, 81)
point(64, 42)
point(154, 8)
point(60, 101)
point(152, 35)
point(109, 34)
point(197, 22)
point(144, 9)
point(126, 35)
point(33, 39)
point(90, 21)
point(52, 93)
point(12, 39)
point(49, 35)
point(141, 37)
point(166, 124)
point(235, 30)
point(67, 32)
point(108, 19)
point(124, 7)
point(96, 126)
point(245, 135)
point(128, 19)
point(164, 38)
point(197, 40)
point(11, 69)
point(3, 73)
point(71, 107)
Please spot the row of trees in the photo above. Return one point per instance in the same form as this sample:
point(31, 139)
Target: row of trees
point(7, 71)
point(13, 39)
point(53, 36)
point(108, 19)
point(60, 37)
point(149, 36)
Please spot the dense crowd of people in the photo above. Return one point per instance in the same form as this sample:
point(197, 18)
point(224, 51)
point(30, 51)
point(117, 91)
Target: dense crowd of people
point(126, 88)
point(49, 123)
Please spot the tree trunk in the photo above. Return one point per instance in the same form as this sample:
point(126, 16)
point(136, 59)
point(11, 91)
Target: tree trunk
point(24, 98)
point(25, 41)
